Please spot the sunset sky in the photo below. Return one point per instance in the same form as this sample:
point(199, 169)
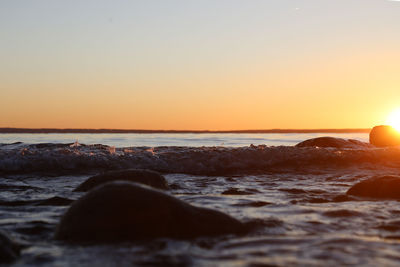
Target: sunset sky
point(205, 64)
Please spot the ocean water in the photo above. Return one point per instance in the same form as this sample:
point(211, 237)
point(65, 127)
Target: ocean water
point(296, 194)
point(193, 140)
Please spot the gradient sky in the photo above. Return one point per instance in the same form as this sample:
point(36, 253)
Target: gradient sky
point(205, 64)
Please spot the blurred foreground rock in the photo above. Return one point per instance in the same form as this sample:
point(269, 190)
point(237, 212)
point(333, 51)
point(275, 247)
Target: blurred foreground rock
point(383, 187)
point(9, 249)
point(147, 177)
point(124, 211)
point(384, 135)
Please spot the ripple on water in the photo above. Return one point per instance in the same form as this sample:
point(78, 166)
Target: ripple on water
point(342, 213)
point(301, 218)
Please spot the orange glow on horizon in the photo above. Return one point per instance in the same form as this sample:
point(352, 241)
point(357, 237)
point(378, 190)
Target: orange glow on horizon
point(394, 119)
point(262, 66)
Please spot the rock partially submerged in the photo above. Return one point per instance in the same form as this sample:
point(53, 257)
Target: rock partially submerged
point(124, 211)
point(384, 135)
point(147, 177)
point(9, 249)
point(383, 187)
point(332, 142)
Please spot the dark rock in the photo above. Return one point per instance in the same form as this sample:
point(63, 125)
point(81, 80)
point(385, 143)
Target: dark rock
point(9, 249)
point(332, 142)
point(124, 211)
point(147, 177)
point(384, 187)
point(384, 135)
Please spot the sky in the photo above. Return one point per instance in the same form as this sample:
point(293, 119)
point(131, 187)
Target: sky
point(199, 65)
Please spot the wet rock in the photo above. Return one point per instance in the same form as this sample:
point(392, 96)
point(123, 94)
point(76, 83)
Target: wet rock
point(9, 249)
point(147, 177)
point(383, 136)
point(332, 142)
point(125, 211)
point(384, 187)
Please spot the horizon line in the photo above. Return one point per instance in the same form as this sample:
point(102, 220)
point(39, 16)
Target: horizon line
point(13, 130)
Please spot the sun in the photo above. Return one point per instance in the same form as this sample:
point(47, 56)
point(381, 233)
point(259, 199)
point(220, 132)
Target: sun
point(394, 119)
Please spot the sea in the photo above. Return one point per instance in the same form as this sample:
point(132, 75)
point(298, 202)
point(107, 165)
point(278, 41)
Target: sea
point(297, 196)
point(174, 139)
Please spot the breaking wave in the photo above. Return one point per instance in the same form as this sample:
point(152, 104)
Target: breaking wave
point(80, 158)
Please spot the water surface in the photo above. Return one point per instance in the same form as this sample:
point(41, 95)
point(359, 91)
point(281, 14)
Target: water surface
point(296, 196)
point(182, 139)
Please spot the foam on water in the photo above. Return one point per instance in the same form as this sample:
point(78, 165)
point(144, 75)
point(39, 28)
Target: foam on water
point(297, 195)
point(74, 158)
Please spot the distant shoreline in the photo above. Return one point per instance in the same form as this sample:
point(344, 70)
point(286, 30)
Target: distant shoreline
point(99, 131)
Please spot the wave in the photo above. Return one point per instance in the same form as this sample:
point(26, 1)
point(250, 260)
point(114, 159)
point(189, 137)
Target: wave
point(79, 158)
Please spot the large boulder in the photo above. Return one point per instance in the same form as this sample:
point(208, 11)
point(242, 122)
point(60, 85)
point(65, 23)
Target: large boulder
point(124, 211)
point(383, 187)
point(327, 141)
point(147, 177)
point(384, 135)
point(9, 249)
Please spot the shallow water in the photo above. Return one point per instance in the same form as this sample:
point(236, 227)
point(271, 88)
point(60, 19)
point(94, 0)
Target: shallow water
point(298, 201)
point(303, 223)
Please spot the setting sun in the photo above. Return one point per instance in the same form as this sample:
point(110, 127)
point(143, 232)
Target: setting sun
point(394, 119)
